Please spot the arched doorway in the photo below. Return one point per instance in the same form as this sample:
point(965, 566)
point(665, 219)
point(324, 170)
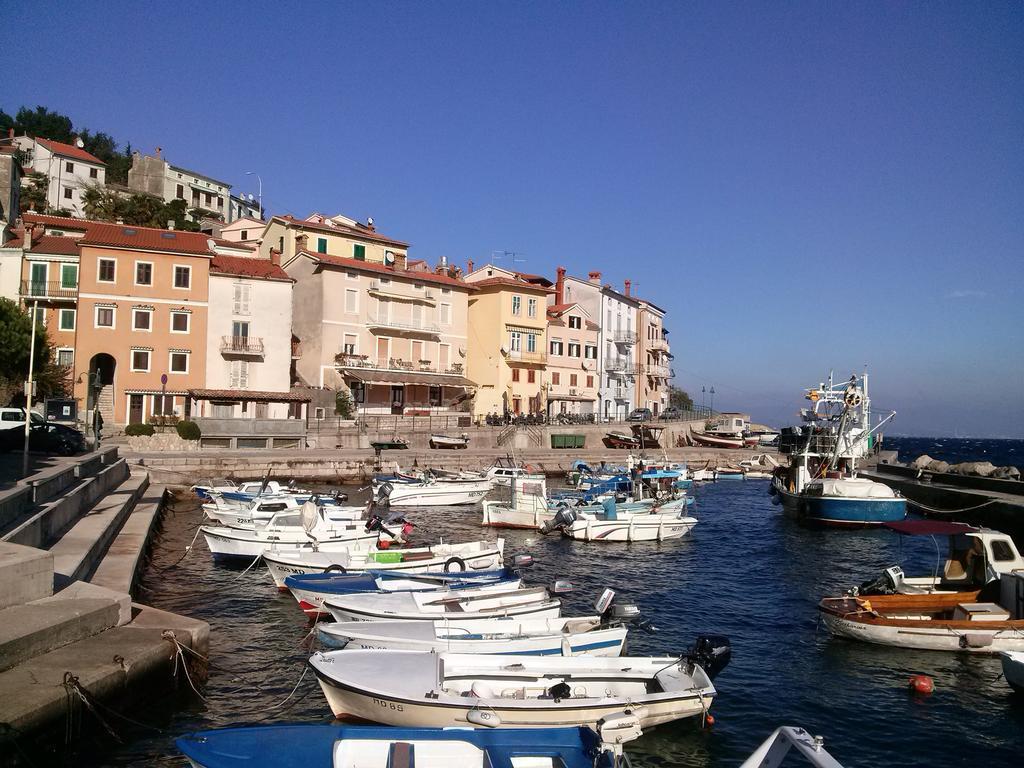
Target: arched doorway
point(101, 376)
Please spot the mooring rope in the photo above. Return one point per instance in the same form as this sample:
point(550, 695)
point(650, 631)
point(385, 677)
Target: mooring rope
point(951, 511)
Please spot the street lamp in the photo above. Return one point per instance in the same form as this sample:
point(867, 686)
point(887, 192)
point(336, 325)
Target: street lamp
point(703, 399)
point(28, 389)
point(712, 399)
point(253, 173)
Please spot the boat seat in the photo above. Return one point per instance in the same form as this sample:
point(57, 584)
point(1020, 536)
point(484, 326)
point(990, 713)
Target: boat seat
point(980, 612)
point(513, 693)
point(576, 626)
point(400, 755)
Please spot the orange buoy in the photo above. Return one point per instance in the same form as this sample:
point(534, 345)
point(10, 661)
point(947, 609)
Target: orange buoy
point(709, 720)
point(922, 684)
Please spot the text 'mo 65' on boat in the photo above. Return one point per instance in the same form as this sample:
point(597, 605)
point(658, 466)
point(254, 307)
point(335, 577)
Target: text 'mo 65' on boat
point(445, 689)
point(821, 484)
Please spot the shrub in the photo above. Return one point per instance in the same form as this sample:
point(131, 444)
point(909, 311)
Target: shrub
point(189, 430)
point(134, 430)
point(343, 405)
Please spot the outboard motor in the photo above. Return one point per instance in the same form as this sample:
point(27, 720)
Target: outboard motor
point(711, 653)
point(522, 561)
point(562, 518)
point(886, 584)
point(561, 587)
point(384, 494)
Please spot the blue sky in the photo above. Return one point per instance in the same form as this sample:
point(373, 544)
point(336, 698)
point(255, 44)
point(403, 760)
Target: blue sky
point(803, 186)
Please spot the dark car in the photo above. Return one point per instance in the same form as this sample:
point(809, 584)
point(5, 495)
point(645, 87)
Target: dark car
point(640, 414)
point(56, 438)
point(671, 413)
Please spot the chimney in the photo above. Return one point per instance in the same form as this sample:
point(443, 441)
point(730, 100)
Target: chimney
point(560, 286)
point(594, 277)
point(28, 238)
point(469, 266)
point(275, 256)
point(628, 284)
point(171, 224)
point(158, 151)
point(401, 262)
point(300, 241)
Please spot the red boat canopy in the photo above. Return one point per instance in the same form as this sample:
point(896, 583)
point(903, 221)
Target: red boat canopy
point(929, 527)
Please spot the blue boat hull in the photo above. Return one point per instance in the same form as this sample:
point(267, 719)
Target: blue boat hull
point(852, 513)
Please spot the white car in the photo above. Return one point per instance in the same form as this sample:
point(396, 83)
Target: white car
point(14, 418)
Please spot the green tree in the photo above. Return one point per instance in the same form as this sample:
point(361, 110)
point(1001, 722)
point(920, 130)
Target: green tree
point(680, 399)
point(33, 193)
point(102, 204)
point(42, 122)
point(343, 405)
point(15, 335)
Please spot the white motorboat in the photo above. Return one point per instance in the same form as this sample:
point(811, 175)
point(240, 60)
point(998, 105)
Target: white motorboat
point(774, 749)
point(252, 487)
point(430, 491)
point(448, 441)
point(260, 512)
point(513, 635)
point(617, 525)
point(460, 690)
point(1013, 669)
point(452, 558)
point(469, 603)
point(527, 507)
point(506, 470)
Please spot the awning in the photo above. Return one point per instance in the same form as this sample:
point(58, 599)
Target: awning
point(929, 527)
point(574, 398)
point(248, 394)
point(408, 377)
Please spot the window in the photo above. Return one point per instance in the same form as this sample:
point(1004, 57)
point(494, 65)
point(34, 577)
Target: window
point(445, 314)
point(209, 199)
point(531, 307)
point(280, 244)
point(515, 341)
point(66, 357)
point(240, 329)
point(556, 346)
point(1001, 551)
point(107, 271)
point(352, 300)
point(67, 320)
point(241, 296)
point(163, 405)
point(572, 379)
point(94, 173)
point(358, 390)
point(195, 197)
point(359, 252)
point(517, 305)
point(220, 202)
point(555, 377)
point(531, 376)
point(349, 346)
point(590, 381)
point(435, 396)
point(68, 275)
point(245, 234)
point(69, 167)
point(590, 351)
point(179, 322)
point(179, 362)
point(575, 321)
point(239, 378)
point(181, 192)
point(182, 277)
point(104, 317)
point(67, 193)
point(142, 319)
point(515, 374)
point(445, 291)
point(321, 245)
point(531, 342)
point(140, 360)
point(574, 349)
point(351, 276)
point(143, 273)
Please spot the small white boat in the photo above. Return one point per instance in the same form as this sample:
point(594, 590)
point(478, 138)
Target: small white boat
point(260, 512)
point(432, 492)
point(469, 603)
point(460, 690)
point(528, 507)
point(447, 441)
point(617, 525)
point(1013, 669)
point(253, 487)
point(451, 558)
point(504, 470)
point(774, 749)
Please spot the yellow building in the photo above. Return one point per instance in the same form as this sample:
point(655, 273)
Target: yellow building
point(507, 340)
point(332, 236)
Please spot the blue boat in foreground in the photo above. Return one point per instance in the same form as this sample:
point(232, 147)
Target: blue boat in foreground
point(353, 746)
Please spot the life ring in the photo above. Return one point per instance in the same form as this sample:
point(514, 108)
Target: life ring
point(335, 568)
point(454, 561)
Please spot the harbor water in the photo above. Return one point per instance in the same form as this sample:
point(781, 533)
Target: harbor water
point(746, 571)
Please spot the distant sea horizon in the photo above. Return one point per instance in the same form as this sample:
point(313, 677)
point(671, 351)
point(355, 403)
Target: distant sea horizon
point(1001, 451)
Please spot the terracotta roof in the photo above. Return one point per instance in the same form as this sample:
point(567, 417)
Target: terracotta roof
point(64, 222)
point(244, 266)
point(557, 309)
point(534, 279)
point(381, 269)
point(246, 394)
point(237, 244)
point(63, 246)
point(146, 239)
point(505, 281)
point(69, 151)
point(359, 233)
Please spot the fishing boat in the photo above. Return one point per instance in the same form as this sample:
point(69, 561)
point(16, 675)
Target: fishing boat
point(447, 441)
point(759, 467)
point(729, 473)
point(821, 484)
point(310, 590)
point(460, 690)
point(710, 440)
point(362, 746)
point(506, 469)
point(704, 474)
point(527, 507)
point(451, 558)
point(469, 603)
point(613, 524)
point(621, 440)
point(1013, 669)
point(394, 444)
point(249, 488)
point(430, 491)
point(647, 435)
point(260, 512)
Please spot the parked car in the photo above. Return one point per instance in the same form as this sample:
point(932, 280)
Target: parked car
point(640, 414)
point(14, 418)
point(56, 438)
point(671, 413)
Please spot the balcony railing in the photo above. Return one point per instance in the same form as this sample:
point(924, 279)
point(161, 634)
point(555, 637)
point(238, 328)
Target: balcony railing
point(619, 365)
point(662, 371)
point(352, 360)
point(658, 345)
point(530, 358)
point(241, 345)
point(404, 327)
point(47, 289)
point(621, 393)
point(624, 337)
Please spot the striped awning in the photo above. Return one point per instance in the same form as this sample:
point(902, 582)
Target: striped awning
point(407, 377)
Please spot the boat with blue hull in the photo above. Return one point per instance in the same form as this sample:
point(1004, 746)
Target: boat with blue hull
point(820, 485)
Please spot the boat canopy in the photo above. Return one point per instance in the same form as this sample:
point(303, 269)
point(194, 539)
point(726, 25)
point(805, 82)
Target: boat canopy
point(929, 527)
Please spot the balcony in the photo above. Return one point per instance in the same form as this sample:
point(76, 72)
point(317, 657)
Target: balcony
point(387, 290)
point(659, 371)
point(420, 328)
point(352, 360)
point(621, 393)
point(620, 365)
point(241, 345)
point(517, 356)
point(48, 289)
point(658, 345)
point(624, 337)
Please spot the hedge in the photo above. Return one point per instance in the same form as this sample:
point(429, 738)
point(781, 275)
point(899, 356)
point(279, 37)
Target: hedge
point(189, 430)
point(134, 430)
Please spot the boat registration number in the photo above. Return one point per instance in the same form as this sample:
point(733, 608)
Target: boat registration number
point(389, 705)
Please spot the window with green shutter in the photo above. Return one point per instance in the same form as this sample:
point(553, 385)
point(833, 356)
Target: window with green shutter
point(321, 245)
point(359, 252)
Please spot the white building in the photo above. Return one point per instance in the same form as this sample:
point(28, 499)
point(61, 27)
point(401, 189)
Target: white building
point(68, 168)
point(153, 175)
point(245, 231)
point(240, 207)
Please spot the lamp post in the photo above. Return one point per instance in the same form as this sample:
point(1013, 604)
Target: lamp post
point(28, 389)
point(253, 173)
point(712, 399)
point(703, 392)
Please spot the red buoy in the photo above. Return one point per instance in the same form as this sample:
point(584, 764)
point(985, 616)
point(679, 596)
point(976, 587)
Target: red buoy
point(922, 684)
point(709, 720)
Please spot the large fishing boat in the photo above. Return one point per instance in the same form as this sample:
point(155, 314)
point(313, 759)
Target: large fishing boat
point(821, 485)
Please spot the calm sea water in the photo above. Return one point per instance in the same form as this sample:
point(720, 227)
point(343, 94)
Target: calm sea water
point(747, 572)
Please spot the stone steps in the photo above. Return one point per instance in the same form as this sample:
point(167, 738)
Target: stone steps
point(26, 574)
point(27, 631)
point(124, 558)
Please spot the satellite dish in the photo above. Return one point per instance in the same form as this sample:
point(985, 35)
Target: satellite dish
point(79, 143)
point(389, 257)
point(504, 351)
point(251, 198)
point(369, 220)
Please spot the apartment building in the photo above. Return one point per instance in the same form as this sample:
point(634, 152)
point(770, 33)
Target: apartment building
point(653, 351)
point(331, 236)
point(11, 174)
point(141, 335)
point(619, 361)
point(573, 376)
point(246, 231)
point(68, 168)
point(508, 340)
point(49, 285)
point(153, 175)
point(393, 335)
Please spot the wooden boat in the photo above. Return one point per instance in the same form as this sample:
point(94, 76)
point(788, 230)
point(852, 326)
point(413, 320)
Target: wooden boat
point(469, 603)
point(621, 440)
point(984, 621)
point(1013, 669)
point(710, 440)
point(448, 689)
point(451, 558)
point(446, 441)
point(361, 746)
point(394, 444)
point(647, 435)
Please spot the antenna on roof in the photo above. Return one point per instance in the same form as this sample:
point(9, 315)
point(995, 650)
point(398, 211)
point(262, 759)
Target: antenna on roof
point(512, 255)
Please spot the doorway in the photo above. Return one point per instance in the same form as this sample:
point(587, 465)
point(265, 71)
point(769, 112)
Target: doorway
point(397, 399)
point(135, 403)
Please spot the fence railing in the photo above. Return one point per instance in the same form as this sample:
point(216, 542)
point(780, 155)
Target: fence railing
point(242, 345)
point(352, 360)
point(47, 289)
point(624, 337)
point(519, 356)
point(420, 327)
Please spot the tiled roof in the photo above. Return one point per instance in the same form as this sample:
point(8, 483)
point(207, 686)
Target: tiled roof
point(62, 246)
point(369, 266)
point(237, 244)
point(247, 267)
point(359, 233)
point(557, 309)
point(146, 239)
point(247, 394)
point(69, 151)
point(534, 279)
point(505, 281)
point(64, 222)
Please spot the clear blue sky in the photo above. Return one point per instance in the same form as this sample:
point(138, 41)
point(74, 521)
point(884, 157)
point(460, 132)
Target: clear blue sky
point(802, 185)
